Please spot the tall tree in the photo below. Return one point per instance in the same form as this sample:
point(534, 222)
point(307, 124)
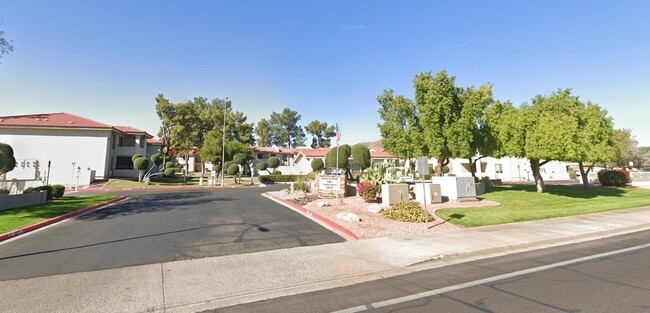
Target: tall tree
point(5, 45)
point(437, 100)
point(400, 132)
point(263, 131)
point(595, 140)
point(321, 134)
point(166, 112)
point(185, 134)
point(624, 146)
point(285, 129)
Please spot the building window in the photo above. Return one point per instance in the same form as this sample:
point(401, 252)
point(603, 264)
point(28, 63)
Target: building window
point(499, 168)
point(123, 163)
point(142, 141)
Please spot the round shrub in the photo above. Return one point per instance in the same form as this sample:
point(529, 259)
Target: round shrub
point(239, 158)
point(216, 167)
point(274, 162)
point(311, 175)
point(317, 165)
point(169, 172)
point(141, 163)
point(406, 211)
point(136, 156)
point(47, 188)
point(233, 169)
point(58, 191)
point(228, 164)
point(614, 177)
point(261, 166)
point(156, 159)
point(368, 191)
point(276, 172)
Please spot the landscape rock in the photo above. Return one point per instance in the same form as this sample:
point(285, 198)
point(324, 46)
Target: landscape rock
point(321, 204)
point(348, 217)
point(374, 208)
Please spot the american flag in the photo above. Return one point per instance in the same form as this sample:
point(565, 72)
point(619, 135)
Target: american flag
point(338, 135)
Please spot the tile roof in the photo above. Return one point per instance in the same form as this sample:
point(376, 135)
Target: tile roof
point(154, 142)
point(62, 120)
point(51, 120)
point(274, 150)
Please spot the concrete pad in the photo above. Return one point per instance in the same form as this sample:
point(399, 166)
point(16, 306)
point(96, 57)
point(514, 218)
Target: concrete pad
point(131, 289)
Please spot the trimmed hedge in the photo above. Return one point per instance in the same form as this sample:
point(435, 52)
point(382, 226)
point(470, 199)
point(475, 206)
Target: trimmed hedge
point(169, 172)
point(279, 178)
point(58, 191)
point(48, 188)
point(614, 177)
point(233, 169)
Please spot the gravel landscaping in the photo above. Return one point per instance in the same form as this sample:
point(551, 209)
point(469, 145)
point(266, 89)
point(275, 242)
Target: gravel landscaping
point(373, 225)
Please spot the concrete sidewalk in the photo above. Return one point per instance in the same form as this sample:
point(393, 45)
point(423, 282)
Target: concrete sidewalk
point(200, 284)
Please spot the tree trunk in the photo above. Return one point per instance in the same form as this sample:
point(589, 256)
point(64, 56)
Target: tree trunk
point(140, 175)
point(472, 168)
point(583, 175)
point(539, 181)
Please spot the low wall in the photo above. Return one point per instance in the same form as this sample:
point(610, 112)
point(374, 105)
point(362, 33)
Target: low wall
point(640, 176)
point(16, 186)
point(18, 201)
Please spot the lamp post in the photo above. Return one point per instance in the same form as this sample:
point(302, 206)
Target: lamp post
point(223, 143)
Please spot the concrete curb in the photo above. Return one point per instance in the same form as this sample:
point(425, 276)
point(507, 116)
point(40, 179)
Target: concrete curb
point(176, 188)
point(327, 223)
point(59, 218)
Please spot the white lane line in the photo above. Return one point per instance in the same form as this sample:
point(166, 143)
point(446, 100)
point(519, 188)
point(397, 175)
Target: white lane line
point(485, 281)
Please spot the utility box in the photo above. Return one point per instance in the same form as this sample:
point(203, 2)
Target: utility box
point(394, 193)
point(456, 188)
point(431, 193)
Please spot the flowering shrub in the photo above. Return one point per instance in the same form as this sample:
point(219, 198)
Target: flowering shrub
point(368, 191)
point(614, 177)
point(406, 211)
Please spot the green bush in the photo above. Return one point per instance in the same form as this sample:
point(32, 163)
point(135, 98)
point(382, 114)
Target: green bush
point(276, 172)
point(614, 177)
point(261, 166)
point(141, 163)
point(4, 191)
point(58, 191)
point(156, 159)
point(170, 172)
point(216, 167)
point(317, 165)
point(47, 188)
point(406, 211)
point(274, 162)
point(361, 156)
point(311, 175)
point(344, 153)
point(227, 165)
point(279, 178)
point(136, 156)
point(233, 169)
point(239, 158)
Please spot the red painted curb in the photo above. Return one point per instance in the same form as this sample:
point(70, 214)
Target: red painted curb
point(53, 220)
point(176, 188)
point(313, 215)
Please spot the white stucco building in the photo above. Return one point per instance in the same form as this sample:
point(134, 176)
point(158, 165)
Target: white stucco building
point(63, 148)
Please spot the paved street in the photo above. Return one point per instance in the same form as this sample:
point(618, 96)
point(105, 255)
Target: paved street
point(161, 227)
point(613, 283)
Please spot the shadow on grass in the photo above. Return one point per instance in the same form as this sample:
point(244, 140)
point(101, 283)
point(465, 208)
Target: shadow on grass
point(564, 191)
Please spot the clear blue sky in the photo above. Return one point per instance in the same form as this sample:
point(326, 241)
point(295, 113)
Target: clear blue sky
point(328, 60)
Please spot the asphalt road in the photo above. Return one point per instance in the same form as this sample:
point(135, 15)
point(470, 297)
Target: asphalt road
point(618, 282)
point(160, 227)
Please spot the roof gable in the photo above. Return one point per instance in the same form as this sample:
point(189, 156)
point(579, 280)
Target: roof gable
point(63, 119)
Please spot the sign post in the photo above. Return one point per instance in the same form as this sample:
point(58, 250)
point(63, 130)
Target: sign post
point(423, 169)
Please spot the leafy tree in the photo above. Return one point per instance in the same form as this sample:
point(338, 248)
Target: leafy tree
point(468, 135)
point(141, 164)
point(7, 159)
point(400, 132)
point(166, 112)
point(157, 159)
point(624, 146)
point(317, 165)
point(185, 133)
point(361, 156)
point(264, 134)
point(594, 138)
point(285, 130)
point(5, 45)
point(321, 134)
point(274, 162)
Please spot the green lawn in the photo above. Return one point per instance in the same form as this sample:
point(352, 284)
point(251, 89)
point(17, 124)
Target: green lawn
point(16, 218)
point(176, 182)
point(521, 203)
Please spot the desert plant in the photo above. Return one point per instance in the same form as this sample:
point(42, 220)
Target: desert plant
point(58, 191)
point(311, 175)
point(317, 165)
point(406, 211)
point(301, 184)
point(368, 191)
point(376, 174)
